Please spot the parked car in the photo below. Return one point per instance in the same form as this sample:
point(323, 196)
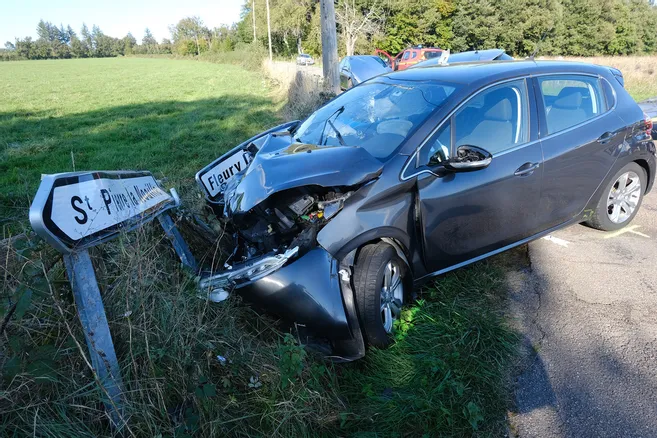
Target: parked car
point(415, 173)
point(305, 59)
point(472, 56)
point(410, 56)
point(357, 69)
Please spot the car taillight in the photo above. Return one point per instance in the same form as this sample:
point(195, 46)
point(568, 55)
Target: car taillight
point(648, 121)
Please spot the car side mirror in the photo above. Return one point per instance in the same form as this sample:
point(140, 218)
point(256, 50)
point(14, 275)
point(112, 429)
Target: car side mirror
point(467, 158)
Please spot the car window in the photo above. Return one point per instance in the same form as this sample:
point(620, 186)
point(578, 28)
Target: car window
point(342, 64)
point(380, 61)
point(439, 148)
point(432, 54)
point(569, 100)
point(406, 55)
point(496, 119)
point(378, 115)
point(414, 55)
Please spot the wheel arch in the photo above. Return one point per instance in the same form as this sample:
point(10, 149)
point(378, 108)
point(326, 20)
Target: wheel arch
point(649, 181)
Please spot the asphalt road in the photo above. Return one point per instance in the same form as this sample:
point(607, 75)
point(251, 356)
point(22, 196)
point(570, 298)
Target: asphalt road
point(587, 306)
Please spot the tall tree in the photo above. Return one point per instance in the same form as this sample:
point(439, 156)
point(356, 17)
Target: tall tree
point(356, 22)
point(190, 28)
point(149, 42)
point(86, 41)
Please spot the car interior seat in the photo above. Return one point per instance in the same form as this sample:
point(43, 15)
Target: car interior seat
point(567, 110)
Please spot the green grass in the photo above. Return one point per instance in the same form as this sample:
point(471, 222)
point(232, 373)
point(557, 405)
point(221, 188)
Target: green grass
point(446, 375)
point(169, 117)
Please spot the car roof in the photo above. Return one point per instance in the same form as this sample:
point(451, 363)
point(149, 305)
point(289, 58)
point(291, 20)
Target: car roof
point(483, 55)
point(467, 73)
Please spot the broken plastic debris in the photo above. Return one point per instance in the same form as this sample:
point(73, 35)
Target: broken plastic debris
point(221, 359)
point(218, 295)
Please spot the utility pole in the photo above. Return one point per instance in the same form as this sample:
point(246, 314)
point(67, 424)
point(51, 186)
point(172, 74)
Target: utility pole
point(269, 31)
point(329, 46)
point(253, 13)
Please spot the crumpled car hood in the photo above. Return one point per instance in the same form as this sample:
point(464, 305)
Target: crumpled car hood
point(282, 164)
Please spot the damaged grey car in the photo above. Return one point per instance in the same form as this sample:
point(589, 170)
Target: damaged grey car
point(338, 218)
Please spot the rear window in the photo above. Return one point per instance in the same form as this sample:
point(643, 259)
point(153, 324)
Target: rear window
point(570, 100)
point(432, 54)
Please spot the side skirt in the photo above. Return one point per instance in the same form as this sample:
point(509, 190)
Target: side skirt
point(420, 281)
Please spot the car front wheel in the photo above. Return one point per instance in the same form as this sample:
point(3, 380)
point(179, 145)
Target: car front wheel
point(621, 199)
point(380, 288)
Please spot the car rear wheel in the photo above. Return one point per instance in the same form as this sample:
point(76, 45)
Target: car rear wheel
point(380, 289)
point(621, 199)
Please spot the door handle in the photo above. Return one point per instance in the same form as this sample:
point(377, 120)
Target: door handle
point(526, 169)
point(606, 137)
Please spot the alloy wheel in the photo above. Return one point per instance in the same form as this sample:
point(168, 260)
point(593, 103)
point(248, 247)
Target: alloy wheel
point(624, 197)
point(392, 295)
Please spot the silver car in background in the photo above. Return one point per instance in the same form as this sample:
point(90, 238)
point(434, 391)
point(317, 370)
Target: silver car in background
point(305, 59)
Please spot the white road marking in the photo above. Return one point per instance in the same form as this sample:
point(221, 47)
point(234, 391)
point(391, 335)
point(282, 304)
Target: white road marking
point(626, 230)
point(556, 240)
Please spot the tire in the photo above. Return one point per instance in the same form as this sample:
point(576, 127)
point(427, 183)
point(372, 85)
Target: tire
point(614, 208)
point(372, 264)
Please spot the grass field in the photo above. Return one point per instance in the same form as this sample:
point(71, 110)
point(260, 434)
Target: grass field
point(170, 117)
point(640, 72)
point(445, 376)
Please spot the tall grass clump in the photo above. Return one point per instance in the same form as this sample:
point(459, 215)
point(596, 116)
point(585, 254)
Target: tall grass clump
point(190, 367)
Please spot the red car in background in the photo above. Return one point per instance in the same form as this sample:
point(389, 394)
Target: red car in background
point(410, 56)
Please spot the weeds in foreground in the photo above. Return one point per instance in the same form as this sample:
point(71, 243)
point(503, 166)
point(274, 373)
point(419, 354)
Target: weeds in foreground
point(193, 368)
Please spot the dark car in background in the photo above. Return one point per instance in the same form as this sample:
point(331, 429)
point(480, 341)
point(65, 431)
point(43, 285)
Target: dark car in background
point(472, 56)
point(359, 68)
point(415, 173)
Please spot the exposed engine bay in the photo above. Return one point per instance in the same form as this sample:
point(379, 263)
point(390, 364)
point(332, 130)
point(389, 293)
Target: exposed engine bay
point(290, 219)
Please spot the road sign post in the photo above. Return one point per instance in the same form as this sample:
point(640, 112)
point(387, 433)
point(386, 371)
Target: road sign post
point(96, 332)
point(76, 211)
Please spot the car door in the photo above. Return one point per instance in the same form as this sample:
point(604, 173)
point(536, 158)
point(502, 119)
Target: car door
point(403, 62)
point(464, 215)
point(344, 73)
point(581, 139)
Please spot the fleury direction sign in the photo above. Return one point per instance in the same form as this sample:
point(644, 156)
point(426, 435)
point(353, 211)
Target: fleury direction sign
point(73, 211)
point(215, 177)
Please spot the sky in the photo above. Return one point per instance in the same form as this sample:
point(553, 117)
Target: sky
point(19, 18)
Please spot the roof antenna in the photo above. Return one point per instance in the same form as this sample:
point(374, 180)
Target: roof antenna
point(538, 45)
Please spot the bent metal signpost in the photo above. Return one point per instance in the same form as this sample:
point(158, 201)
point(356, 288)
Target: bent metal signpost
point(75, 211)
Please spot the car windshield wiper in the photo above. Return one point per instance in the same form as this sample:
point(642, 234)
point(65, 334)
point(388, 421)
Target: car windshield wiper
point(337, 133)
point(335, 114)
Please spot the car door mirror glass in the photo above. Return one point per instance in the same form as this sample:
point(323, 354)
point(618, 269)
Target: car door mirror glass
point(468, 157)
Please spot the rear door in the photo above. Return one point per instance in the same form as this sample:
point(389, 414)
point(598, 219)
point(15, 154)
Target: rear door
point(581, 139)
point(464, 215)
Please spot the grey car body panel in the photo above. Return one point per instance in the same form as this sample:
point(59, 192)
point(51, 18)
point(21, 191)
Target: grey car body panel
point(442, 219)
point(325, 166)
point(241, 146)
point(306, 291)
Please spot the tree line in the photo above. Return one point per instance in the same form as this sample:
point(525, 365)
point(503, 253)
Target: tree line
point(555, 27)
point(558, 27)
point(189, 37)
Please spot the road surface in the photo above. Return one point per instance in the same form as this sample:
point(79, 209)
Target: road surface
point(587, 307)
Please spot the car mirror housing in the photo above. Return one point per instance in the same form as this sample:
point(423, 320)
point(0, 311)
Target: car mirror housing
point(469, 157)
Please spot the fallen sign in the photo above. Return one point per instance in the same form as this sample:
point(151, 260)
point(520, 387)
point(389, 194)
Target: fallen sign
point(75, 211)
